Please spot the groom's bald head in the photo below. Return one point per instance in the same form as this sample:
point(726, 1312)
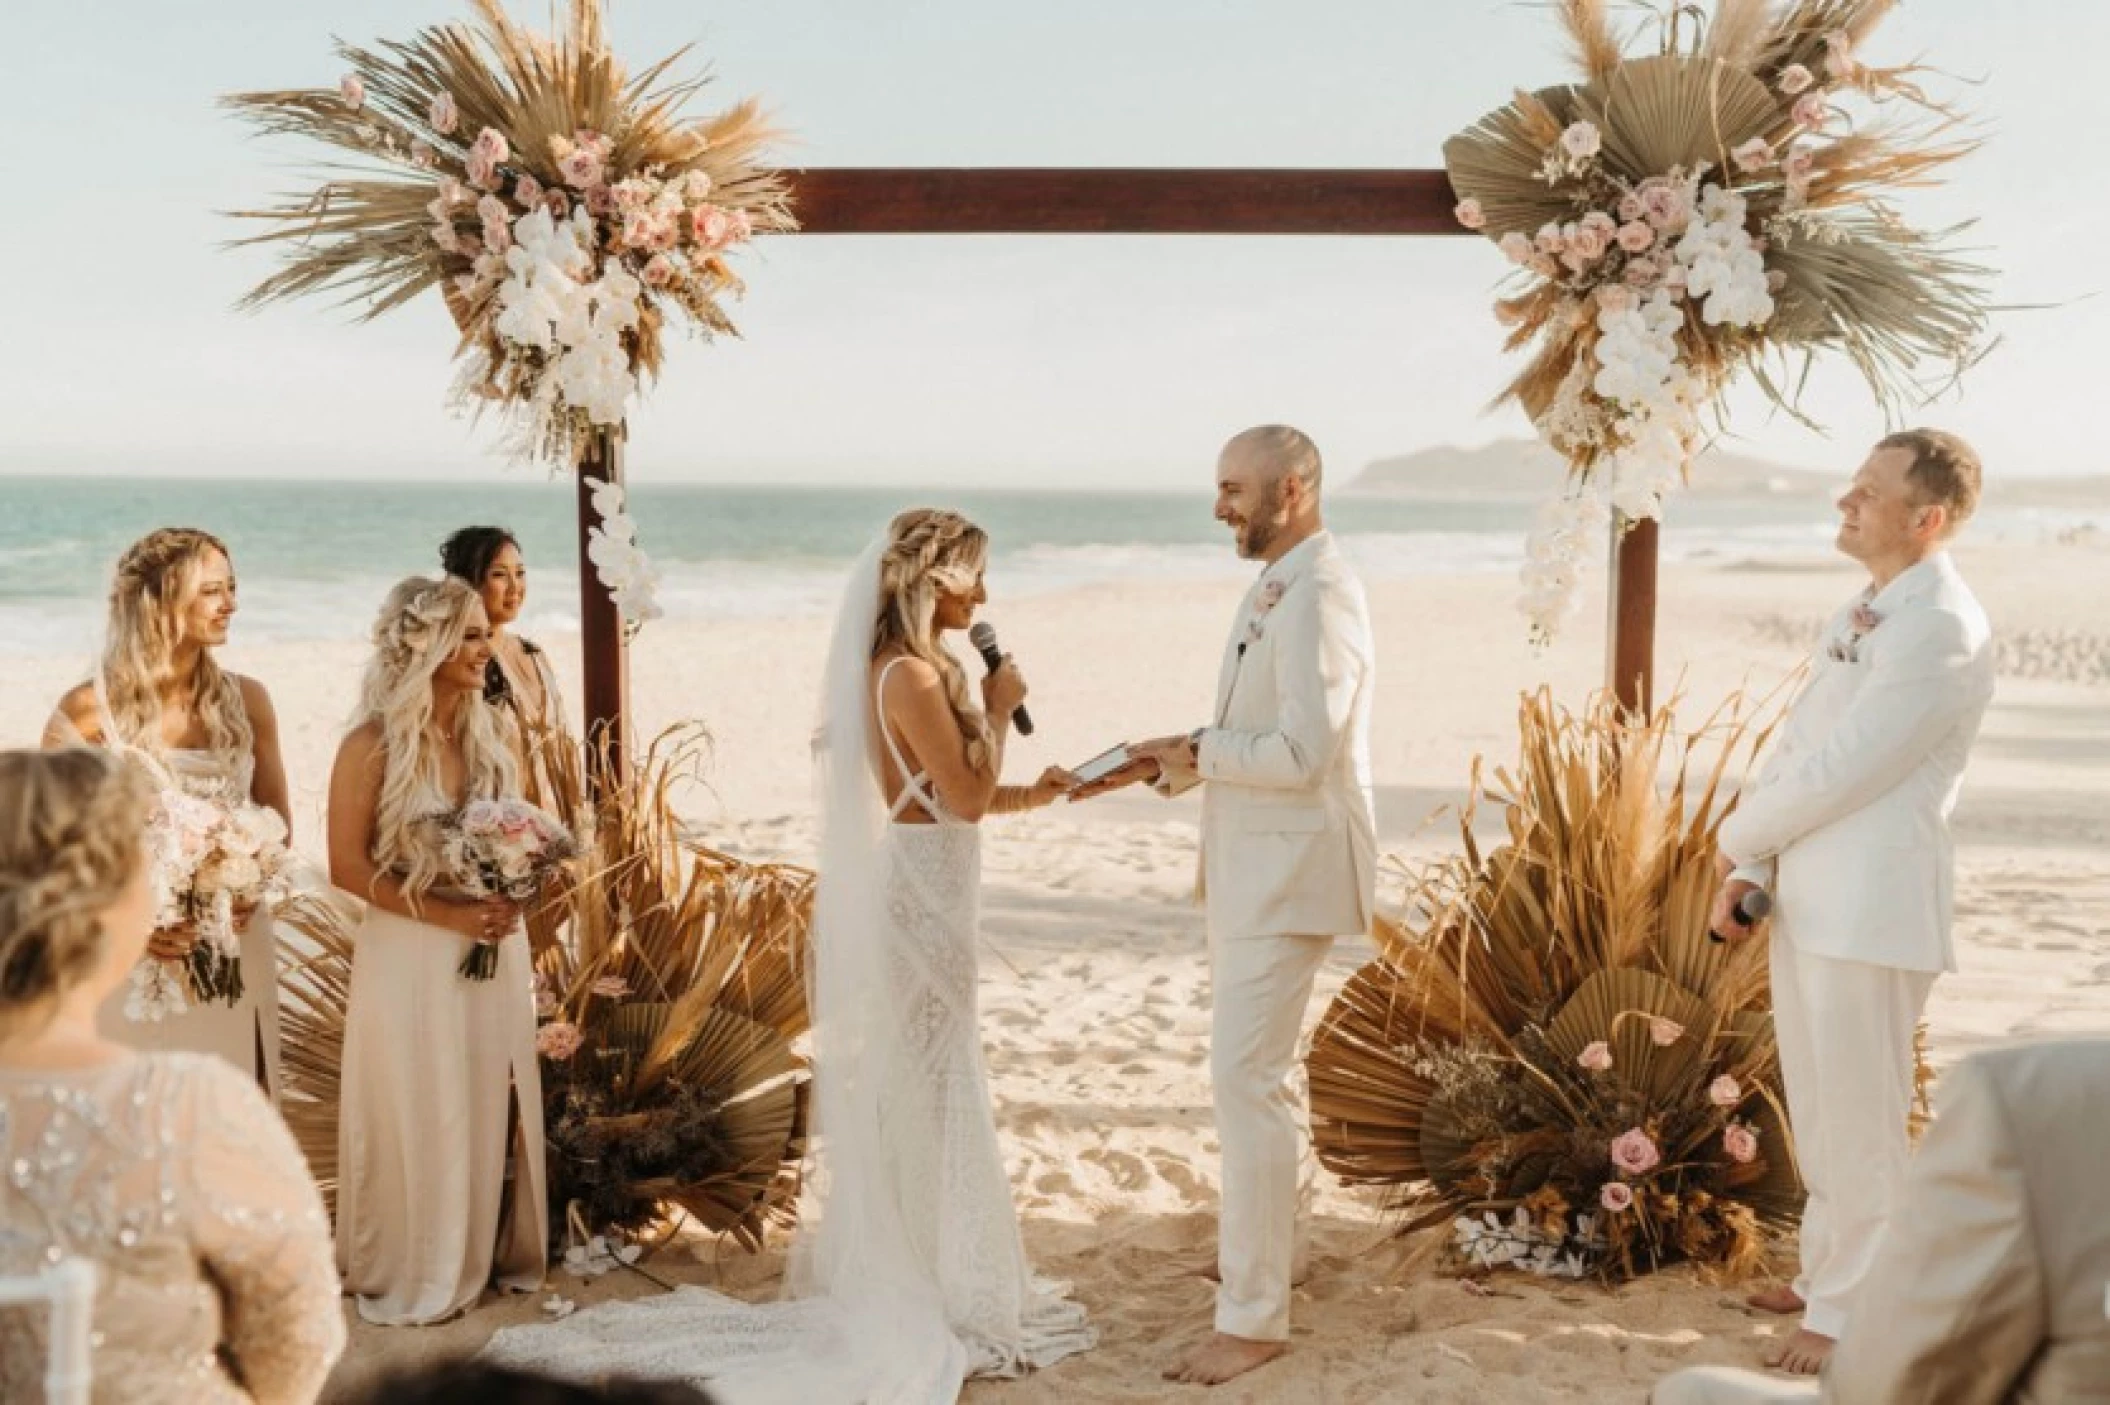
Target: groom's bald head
point(1275, 452)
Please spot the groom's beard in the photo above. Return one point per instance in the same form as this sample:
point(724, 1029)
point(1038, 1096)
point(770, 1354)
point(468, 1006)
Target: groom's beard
point(1262, 527)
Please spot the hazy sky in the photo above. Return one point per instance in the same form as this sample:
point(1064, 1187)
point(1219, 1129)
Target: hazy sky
point(1012, 361)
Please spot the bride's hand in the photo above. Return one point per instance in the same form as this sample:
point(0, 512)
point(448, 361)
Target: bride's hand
point(1054, 783)
point(1003, 690)
point(488, 921)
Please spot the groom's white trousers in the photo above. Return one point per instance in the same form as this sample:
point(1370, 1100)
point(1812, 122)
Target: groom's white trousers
point(1845, 1031)
point(1260, 988)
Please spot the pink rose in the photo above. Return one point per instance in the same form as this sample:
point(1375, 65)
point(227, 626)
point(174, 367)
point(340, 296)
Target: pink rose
point(1600, 222)
point(582, 169)
point(557, 203)
point(699, 185)
point(1581, 141)
point(492, 143)
point(452, 192)
point(1515, 247)
point(352, 88)
point(485, 156)
point(1635, 236)
point(557, 1041)
point(1741, 1143)
point(1617, 1197)
point(1725, 1092)
point(1801, 164)
point(1664, 1033)
point(1811, 110)
point(1629, 208)
point(1614, 298)
point(423, 156)
point(600, 201)
point(1596, 1056)
point(497, 222)
point(659, 271)
point(1795, 79)
point(611, 987)
point(1753, 155)
point(1642, 272)
point(1469, 214)
point(528, 191)
point(1586, 245)
point(743, 226)
point(443, 235)
point(1550, 239)
point(1634, 1153)
point(1664, 205)
point(481, 169)
point(709, 226)
point(632, 194)
point(588, 139)
point(443, 114)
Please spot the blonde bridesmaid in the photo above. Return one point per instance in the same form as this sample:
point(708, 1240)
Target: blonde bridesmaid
point(440, 1084)
point(160, 695)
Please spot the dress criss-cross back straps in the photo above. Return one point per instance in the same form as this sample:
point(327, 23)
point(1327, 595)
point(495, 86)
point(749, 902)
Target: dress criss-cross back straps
point(246, 1032)
point(440, 1088)
point(940, 1170)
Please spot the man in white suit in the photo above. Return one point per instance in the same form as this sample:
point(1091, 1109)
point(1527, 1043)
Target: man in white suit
point(1848, 828)
point(1288, 862)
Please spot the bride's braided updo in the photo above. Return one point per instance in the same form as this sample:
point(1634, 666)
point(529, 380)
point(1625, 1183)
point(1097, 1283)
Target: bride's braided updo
point(72, 830)
point(930, 551)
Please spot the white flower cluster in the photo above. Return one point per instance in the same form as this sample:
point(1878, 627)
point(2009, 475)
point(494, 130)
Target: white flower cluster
point(549, 304)
point(631, 578)
point(1567, 530)
point(598, 1255)
point(1488, 1242)
point(1723, 264)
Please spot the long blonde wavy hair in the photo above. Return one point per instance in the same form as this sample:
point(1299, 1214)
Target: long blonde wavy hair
point(930, 551)
point(421, 626)
point(156, 582)
point(72, 831)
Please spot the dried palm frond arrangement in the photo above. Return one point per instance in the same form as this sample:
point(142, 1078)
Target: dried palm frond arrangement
point(1708, 207)
point(562, 206)
point(669, 994)
point(1549, 1061)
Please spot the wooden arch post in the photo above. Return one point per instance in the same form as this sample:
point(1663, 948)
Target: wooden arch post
point(877, 200)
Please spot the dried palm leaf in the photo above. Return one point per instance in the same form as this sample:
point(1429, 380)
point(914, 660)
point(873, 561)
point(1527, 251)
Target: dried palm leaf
point(1672, 112)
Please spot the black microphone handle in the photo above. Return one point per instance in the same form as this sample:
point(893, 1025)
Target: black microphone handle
point(993, 658)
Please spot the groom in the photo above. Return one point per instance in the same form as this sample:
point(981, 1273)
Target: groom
point(1849, 827)
point(1288, 861)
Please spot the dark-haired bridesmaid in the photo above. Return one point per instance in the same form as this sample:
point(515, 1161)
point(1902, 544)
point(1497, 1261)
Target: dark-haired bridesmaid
point(519, 678)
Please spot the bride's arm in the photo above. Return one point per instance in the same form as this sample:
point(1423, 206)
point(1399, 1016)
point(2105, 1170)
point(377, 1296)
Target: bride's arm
point(920, 716)
point(355, 798)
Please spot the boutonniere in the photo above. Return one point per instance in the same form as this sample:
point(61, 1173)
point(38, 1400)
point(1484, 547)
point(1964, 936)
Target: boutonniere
point(1270, 596)
point(1860, 624)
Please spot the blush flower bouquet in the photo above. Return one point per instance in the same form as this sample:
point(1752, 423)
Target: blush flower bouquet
point(211, 865)
point(501, 849)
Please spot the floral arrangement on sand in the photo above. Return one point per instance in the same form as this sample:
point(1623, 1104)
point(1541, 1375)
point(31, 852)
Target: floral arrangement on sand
point(1549, 1059)
point(1719, 204)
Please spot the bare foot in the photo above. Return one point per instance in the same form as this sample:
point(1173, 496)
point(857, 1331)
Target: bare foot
point(1224, 1357)
point(1779, 1298)
point(1803, 1354)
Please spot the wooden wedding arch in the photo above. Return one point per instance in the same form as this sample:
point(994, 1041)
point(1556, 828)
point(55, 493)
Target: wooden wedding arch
point(877, 200)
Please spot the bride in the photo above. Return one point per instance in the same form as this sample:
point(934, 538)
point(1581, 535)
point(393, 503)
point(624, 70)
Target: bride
point(908, 1275)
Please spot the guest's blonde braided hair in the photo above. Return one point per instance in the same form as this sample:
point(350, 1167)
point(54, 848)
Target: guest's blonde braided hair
point(930, 550)
point(420, 627)
point(72, 826)
point(156, 581)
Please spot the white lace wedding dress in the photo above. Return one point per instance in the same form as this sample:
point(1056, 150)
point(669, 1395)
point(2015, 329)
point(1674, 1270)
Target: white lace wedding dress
point(909, 1275)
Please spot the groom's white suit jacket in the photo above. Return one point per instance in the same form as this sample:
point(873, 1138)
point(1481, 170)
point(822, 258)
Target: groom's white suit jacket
point(1849, 822)
point(1289, 836)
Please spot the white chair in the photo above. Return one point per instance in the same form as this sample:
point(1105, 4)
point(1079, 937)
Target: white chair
point(68, 1288)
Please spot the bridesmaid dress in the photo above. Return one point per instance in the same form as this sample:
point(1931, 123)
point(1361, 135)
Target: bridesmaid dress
point(440, 1088)
point(246, 1032)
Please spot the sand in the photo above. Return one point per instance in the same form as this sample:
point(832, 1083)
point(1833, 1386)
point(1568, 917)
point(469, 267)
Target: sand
point(1095, 995)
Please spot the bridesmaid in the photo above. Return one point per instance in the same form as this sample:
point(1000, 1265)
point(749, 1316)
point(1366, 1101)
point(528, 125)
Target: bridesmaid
point(520, 678)
point(440, 1083)
point(160, 695)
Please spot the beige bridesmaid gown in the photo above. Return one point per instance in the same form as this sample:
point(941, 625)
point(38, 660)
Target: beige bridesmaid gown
point(246, 1032)
point(428, 1208)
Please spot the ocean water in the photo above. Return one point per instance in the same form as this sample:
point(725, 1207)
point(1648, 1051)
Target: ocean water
point(314, 559)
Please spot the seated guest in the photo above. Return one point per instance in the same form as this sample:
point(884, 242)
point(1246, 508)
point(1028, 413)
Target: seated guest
point(169, 1172)
point(463, 1382)
point(1991, 1282)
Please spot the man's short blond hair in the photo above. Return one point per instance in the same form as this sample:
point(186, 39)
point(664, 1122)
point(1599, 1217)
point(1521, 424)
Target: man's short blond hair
point(1944, 471)
point(1286, 452)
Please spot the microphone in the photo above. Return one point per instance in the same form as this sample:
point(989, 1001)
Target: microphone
point(983, 637)
point(1750, 910)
